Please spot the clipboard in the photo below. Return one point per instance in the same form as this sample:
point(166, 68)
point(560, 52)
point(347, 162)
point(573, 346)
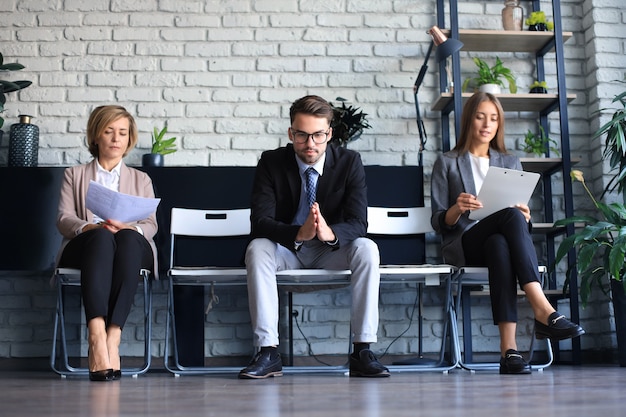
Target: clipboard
point(502, 188)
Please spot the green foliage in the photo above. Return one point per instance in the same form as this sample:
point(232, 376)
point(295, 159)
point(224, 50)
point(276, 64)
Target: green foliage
point(160, 145)
point(600, 245)
point(348, 123)
point(539, 84)
point(539, 17)
point(537, 144)
point(9, 86)
point(615, 145)
point(492, 75)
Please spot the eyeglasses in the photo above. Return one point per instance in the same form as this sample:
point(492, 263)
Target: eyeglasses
point(303, 137)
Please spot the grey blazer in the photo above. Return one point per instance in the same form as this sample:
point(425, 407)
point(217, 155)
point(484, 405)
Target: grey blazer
point(451, 176)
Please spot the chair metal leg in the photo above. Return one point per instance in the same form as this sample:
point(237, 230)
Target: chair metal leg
point(59, 358)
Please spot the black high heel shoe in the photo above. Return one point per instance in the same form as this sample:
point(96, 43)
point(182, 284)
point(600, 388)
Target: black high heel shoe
point(103, 375)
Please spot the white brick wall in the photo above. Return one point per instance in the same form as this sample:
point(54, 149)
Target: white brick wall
point(223, 73)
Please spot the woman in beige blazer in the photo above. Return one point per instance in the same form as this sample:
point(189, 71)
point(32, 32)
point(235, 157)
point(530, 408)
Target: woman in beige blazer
point(109, 253)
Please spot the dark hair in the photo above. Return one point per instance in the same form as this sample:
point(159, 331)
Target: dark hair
point(313, 105)
point(467, 117)
point(100, 118)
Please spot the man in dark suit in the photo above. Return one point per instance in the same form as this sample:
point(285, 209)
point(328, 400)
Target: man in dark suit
point(309, 210)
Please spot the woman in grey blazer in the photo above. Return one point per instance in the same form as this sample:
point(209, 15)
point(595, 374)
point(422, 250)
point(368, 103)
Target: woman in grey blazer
point(501, 241)
point(109, 253)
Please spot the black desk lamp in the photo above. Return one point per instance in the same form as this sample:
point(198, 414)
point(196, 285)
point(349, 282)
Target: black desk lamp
point(445, 48)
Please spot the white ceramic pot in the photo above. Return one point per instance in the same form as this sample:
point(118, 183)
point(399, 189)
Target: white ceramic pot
point(490, 88)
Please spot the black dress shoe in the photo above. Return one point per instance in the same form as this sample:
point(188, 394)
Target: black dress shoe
point(103, 375)
point(558, 328)
point(365, 364)
point(514, 363)
point(117, 374)
point(263, 365)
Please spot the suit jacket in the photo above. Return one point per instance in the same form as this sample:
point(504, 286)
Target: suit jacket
point(451, 176)
point(341, 194)
point(73, 213)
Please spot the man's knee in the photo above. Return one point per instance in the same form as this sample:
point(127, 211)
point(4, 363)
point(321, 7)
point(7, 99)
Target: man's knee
point(366, 250)
point(259, 249)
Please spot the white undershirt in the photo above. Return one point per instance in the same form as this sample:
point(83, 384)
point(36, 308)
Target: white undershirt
point(480, 166)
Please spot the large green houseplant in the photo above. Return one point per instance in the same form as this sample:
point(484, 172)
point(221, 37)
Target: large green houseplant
point(601, 243)
point(348, 123)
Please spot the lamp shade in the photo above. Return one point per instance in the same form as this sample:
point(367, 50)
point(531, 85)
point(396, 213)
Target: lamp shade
point(445, 46)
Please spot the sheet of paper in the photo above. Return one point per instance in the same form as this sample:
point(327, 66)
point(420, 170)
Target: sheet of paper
point(109, 204)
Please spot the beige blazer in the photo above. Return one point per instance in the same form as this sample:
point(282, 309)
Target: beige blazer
point(73, 214)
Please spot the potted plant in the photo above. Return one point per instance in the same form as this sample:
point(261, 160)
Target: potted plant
point(160, 147)
point(348, 123)
point(537, 22)
point(488, 76)
point(601, 243)
point(537, 144)
point(538, 87)
point(9, 86)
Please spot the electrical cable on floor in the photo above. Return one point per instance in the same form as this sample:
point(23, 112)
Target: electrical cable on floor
point(408, 327)
point(310, 350)
point(308, 344)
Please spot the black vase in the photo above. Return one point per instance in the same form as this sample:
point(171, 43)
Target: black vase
point(152, 160)
point(23, 143)
point(538, 27)
point(619, 309)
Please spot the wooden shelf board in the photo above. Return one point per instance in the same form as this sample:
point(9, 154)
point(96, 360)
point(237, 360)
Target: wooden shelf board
point(504, 40)
point(510, 102)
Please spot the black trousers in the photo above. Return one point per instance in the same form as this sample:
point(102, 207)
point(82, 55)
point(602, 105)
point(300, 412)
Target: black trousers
point(109, 264)
point(503, 243)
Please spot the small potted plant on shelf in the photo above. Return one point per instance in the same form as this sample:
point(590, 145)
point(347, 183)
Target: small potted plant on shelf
point(9, 86)
point(490, 79)
point(537, 144)
point(537, 22)
point(538, 87)
point(160, 147)
point(601, 243)
point(348, 123)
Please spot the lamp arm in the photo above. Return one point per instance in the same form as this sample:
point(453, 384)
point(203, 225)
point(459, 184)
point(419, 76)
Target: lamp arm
point(421, 130)
point(420, 123)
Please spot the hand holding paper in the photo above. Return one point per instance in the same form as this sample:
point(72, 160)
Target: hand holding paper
point(109, 204)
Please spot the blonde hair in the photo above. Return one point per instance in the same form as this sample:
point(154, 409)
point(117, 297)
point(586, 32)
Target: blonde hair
point(100, 118)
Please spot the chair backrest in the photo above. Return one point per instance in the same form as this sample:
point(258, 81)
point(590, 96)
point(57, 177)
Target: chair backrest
point(399, 233)
point(208, 237)
point(210, 223)
point(398, 221)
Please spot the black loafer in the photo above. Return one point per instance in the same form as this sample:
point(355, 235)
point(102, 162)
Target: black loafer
point(263, 365)
point(513, 363)
point(366, 365)
point(558, 328)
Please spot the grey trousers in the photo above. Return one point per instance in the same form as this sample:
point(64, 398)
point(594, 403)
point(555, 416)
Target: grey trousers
point(264, 257)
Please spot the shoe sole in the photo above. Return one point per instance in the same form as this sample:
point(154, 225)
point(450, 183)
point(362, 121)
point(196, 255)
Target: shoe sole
point(524, 372)
point(362, 375)
point(542, 336)
point(270, 374)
